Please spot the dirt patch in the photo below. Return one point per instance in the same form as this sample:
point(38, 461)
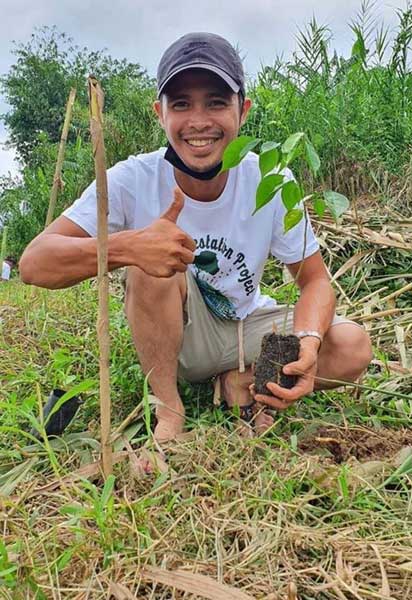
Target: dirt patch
point(362, 443)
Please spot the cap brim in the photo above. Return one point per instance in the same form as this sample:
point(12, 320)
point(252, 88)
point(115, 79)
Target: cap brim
point(222, 74)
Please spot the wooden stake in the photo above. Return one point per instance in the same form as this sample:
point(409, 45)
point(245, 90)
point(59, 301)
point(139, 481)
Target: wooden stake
point(241, 347)
point(57, 180)
point(96, 101)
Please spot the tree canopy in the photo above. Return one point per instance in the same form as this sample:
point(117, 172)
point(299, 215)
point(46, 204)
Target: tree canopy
point(38, 83)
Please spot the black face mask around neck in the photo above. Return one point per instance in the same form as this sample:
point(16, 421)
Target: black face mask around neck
point(174, 159)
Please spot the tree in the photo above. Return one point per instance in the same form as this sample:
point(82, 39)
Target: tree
point(38, 83)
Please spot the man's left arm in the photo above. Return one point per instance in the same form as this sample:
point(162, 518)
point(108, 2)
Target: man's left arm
point(314, 311)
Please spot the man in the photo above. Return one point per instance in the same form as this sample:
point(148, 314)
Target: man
point(190, 285)
point(8, 264)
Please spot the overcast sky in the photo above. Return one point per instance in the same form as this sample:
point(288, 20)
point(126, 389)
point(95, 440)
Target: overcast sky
point(140, 30)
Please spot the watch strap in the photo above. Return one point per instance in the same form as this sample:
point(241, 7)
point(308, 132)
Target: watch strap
point(309, 333)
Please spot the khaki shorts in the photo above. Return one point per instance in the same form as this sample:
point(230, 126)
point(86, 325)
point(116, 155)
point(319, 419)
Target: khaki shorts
point(211, 345)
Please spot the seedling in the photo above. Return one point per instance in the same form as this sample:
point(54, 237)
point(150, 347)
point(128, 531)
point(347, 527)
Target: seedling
point(274, 158)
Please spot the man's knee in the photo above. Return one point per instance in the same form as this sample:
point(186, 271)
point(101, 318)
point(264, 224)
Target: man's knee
point(351, 347)
point(143, 289)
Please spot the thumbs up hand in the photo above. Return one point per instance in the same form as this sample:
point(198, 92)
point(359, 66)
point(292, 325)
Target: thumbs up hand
point(174, 210)
point(163, 248)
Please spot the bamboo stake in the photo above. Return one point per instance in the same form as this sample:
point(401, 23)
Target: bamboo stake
point(57, 180)
point(96, 100)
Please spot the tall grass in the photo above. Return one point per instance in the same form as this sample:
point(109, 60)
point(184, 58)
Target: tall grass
point(356, 109)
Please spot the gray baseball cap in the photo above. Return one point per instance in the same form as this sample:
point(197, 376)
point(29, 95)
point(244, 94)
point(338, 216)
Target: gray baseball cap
point(202, 51)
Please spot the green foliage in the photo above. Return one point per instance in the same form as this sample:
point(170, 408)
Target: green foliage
point(37, 88)
point(237, 150)
point(24, 203)
point(272, 182)
point(38, 84)
point(336, 203)
point(355, 110)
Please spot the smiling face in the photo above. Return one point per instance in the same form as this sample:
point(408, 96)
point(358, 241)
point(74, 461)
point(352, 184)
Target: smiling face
point(200, 115)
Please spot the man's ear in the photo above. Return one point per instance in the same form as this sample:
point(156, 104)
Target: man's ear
point(157, 107)
point(247, 105)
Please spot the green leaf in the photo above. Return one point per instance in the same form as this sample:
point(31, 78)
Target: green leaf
point(336, 203)
point(10, 480)
point(146, 406)
point(107, 490)
point(160, 480)
point(312, 157)
point(268, 161)
point(290, 144)
point(319, 206)
point(129, 434)
point(291, 194)
point(292, 218)
point(266, 146)
point(72, 510)
point(65, 558)
point(404, 469)
point(359, 48)
point(236, 150)
point(266, 189)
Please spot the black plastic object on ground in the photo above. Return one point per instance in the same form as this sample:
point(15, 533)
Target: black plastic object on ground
point(62, 417)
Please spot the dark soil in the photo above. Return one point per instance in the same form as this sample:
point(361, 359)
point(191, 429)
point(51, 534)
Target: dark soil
point(276, 351)
point(362, 443)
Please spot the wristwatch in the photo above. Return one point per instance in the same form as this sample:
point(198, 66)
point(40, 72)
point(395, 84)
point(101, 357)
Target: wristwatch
point(309, 333)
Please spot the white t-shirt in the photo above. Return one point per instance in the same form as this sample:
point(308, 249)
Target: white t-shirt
point(6, 271)
point(231, 244)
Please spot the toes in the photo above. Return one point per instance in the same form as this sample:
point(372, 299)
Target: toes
point(263, 422)
point(167, 431)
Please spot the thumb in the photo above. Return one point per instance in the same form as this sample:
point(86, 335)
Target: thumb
point(299, 367)
point(174, 210)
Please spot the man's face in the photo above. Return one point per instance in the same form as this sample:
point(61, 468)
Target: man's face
point(200, 115)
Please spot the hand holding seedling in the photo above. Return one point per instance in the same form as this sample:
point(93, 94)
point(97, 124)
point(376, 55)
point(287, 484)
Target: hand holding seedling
point(274, 158)
point(305, 368)
point(167, 249)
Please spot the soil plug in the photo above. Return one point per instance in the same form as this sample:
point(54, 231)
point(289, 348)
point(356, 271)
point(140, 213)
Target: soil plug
point(276, 351)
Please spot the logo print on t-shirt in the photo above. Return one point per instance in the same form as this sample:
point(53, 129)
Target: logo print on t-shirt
point(221, 306)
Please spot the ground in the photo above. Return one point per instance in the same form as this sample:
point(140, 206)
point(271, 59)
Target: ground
point(321, 503)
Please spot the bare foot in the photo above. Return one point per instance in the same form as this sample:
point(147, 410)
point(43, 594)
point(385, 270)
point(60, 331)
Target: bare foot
point(168, 428)
point(259, 424)
point(148, 462)
point(263, 421)
point(170, 420)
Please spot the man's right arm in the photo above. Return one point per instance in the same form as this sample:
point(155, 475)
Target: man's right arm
point(64, 254)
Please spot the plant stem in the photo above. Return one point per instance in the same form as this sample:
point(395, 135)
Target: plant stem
point(96, 100)
point(305, 234)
